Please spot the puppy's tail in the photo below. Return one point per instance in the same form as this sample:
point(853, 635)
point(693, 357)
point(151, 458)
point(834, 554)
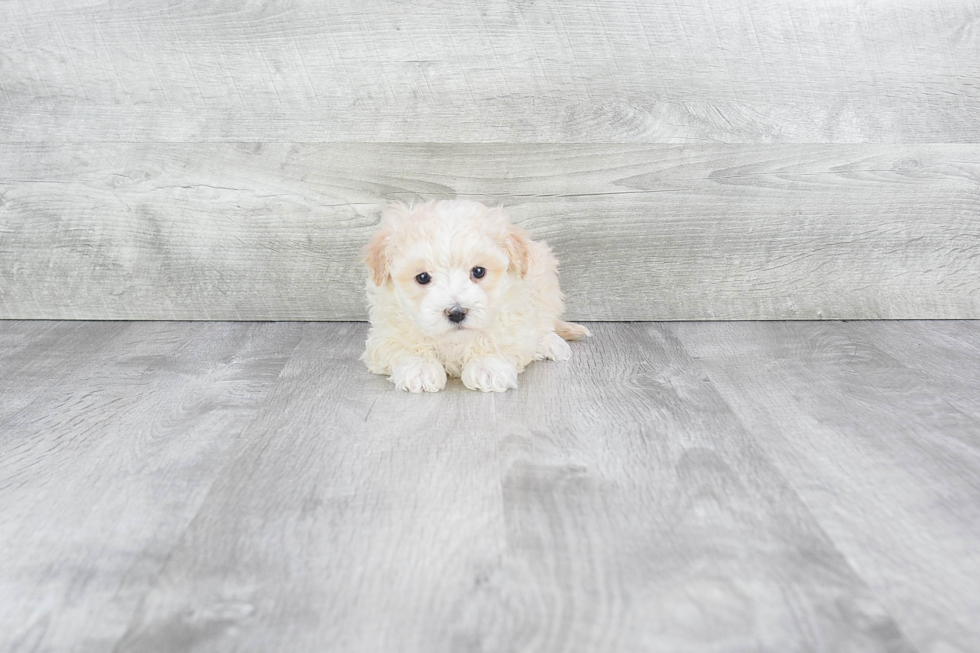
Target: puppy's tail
point(570, 331)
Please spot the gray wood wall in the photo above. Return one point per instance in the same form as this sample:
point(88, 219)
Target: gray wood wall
point(708, 160)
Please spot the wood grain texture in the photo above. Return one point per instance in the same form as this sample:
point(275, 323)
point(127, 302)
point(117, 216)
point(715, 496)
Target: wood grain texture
point(267, 494)
point(111, 435)
point(841, 71)
point(877, 426)
point(940, 354)
point(643, 232)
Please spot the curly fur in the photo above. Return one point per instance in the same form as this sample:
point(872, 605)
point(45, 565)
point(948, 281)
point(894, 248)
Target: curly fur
point(512, 314)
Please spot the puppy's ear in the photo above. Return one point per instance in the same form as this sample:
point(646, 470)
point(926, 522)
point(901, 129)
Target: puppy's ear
point(376, 256)
point(396, 211)
point(518, 246)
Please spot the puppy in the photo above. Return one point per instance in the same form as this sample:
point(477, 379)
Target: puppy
point(455, 289)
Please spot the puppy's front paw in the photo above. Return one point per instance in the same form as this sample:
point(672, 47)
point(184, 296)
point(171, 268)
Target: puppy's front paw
point(553, 347)
point(489, 374)
point(414, 374)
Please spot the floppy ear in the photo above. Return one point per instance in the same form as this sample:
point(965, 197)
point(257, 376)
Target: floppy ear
point(376, 256)
point(518, 246)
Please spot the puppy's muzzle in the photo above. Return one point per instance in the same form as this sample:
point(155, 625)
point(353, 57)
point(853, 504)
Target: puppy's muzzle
point(456, 314)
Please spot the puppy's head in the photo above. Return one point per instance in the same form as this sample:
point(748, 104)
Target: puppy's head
point(449, 264)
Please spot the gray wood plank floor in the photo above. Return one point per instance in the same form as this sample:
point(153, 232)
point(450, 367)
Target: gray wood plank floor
point(779, 486)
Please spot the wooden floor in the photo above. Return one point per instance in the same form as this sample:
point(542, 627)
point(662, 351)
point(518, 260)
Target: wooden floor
point(807, 486)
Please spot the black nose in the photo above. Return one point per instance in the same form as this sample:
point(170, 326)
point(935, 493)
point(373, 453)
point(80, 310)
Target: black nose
point(456, 314)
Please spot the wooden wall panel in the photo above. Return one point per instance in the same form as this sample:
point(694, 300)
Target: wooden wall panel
point(836, 71)
point(644, 232)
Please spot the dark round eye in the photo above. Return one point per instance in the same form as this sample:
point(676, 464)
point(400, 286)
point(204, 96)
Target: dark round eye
point(478, 272)
point(423, 278)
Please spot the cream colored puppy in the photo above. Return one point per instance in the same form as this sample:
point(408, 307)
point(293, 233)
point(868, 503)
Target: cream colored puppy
point(457, 290)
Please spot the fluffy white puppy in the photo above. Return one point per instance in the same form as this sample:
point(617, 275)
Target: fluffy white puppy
point(455, 289)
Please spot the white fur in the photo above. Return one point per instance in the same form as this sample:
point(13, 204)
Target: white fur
point(416, 374)
point(489, 374)
point(552, 347)
point(511, 313)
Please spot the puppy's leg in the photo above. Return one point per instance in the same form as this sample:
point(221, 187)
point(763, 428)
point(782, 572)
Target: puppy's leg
point(553, 347)
point(489, 374)
point(417, 374)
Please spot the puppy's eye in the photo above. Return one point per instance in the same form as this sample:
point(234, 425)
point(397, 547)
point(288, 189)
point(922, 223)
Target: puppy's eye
point(423, 278)
point(478, 272)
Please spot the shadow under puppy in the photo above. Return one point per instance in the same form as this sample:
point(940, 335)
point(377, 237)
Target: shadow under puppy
point(456, 289)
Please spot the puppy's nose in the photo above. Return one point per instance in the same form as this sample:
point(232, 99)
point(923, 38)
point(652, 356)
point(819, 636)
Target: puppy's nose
point(456, 314)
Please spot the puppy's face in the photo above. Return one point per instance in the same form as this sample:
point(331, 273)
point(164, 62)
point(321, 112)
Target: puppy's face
point(449, 267)
point(450, 286)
